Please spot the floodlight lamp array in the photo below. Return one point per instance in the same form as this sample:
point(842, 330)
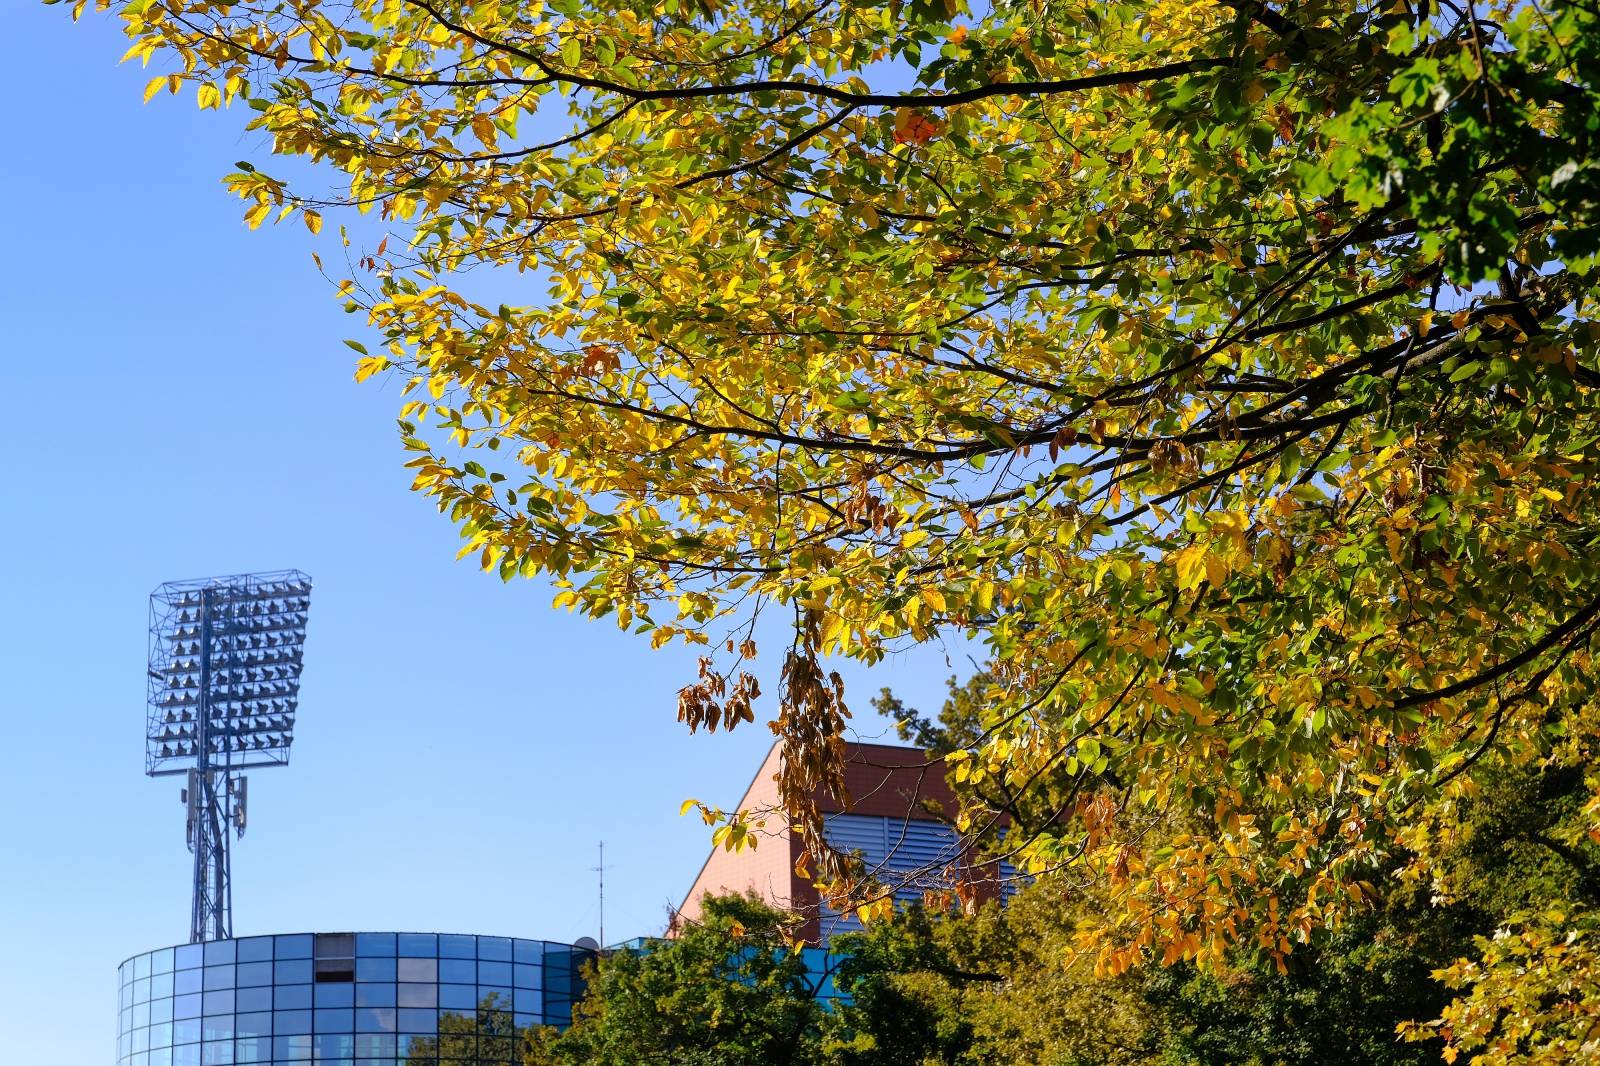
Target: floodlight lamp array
point(225, 662)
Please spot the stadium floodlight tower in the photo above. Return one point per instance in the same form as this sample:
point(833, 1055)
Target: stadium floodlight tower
point(225, 656)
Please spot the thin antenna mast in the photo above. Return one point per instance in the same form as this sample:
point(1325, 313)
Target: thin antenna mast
point(601, 870)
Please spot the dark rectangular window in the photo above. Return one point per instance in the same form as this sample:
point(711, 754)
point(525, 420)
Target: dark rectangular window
point(336, 971)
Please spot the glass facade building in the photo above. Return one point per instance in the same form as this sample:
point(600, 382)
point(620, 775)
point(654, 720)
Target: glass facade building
point(344, 999)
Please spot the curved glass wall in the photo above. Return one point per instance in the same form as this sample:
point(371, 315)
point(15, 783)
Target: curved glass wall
point(344, 999)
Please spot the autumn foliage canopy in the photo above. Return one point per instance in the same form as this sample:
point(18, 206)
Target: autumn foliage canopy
point(1228, 370)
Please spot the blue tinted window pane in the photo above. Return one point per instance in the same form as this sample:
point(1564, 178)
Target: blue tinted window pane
point(415, 1020)
point(249, 999)
point(374, 969)
point(249, 1049)
point(419, 995)
point(334, 1046)
point(161, 961)
point(160, 1010)
point(218, 1053)
point(496, 948)
point(457, 1021)
point(291, 997)
point(141, 967)
point(250, 974)
point(458, 947)
point(297, 946)
point(458, 997)
point(217, 1028)
point(188, 956)
point(141, 1015)
point(525, 976)
point(403, 1043)
point(220, 1002)
point(292, 973)
point(141, 990)
point(186, 1006)
point(336, 1020)
point(186, 981)
point(255, 949)
point(372, 1045)
point(219, 977)
point(528, 950)
point(161, 1056)
point(527, 999)
point(418, 970)
point(258, 1023)
point(525, 1020)
point(494, 973)
point(186, 1032)
point(458, 971)
point(161, 985)
point(375, 943)
point(161, 1035)
point(290, 1021)
point(375, 995)
point(375, 1019)
point(220, 951)
point(335, 995)
point(418, 944)
point(291, 1048)
point(186, 1055)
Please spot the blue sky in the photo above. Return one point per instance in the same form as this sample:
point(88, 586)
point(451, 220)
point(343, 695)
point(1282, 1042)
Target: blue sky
point(178, 403)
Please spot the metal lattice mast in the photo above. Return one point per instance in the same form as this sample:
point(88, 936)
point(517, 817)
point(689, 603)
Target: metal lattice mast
point(225, 661)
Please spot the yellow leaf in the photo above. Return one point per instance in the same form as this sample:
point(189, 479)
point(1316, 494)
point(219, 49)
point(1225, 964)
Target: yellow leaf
point(313, 221)
point(1190, 565)
point(933, 598)
point(687, 806)
point(156, 85)
point(483, 127)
